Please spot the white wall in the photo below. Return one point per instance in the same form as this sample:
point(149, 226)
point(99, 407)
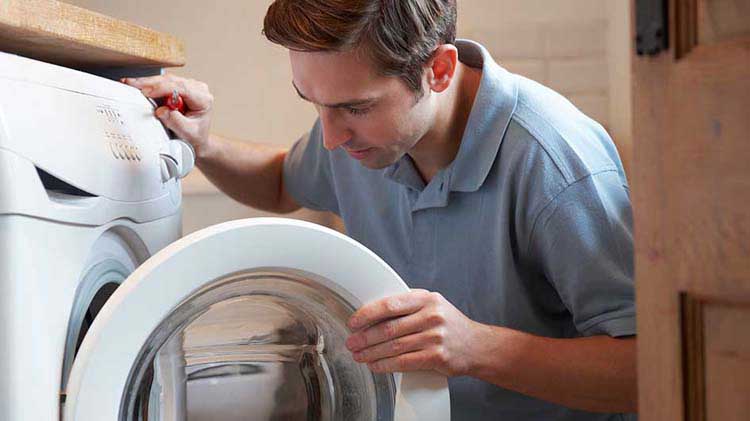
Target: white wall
point(578, 47)
point(575, 46)
point(560, 43)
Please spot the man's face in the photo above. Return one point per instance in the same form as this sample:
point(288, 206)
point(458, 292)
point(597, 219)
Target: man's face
point(376, 119)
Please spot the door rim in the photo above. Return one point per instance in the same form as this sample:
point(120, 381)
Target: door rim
point(101, 370)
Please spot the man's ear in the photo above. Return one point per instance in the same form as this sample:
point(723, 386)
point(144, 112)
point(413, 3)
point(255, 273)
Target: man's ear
point(442, 67)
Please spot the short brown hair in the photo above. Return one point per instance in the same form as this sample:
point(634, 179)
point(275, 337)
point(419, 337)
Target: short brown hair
point(399, 36)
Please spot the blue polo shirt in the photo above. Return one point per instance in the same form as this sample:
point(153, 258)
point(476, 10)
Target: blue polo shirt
point(530, 226)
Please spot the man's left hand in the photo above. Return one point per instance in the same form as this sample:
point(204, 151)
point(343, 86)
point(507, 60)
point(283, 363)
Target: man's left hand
point(418, 330)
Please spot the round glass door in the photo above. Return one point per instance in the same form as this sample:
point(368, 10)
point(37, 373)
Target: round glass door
point(260, 345)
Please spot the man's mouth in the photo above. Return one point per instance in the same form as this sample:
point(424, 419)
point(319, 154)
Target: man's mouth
point(359, 154)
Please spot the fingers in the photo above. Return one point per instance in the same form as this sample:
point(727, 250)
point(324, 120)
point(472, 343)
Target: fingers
point(412, 361)
point(391, 329)
point(419, 330)
point(175, 121)
point(196, 94)
point(142, 82)
point(398, 346)
point(389, 307)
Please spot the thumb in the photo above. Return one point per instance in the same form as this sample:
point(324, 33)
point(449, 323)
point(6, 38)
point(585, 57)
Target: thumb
point(175, 121)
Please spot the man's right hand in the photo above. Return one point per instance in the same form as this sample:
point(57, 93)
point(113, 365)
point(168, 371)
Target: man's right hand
point(192, 127)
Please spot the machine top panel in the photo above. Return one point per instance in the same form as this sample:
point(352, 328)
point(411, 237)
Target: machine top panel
point(98, 135)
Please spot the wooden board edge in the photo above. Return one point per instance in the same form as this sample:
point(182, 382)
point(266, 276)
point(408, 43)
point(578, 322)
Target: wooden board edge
point(82, 29)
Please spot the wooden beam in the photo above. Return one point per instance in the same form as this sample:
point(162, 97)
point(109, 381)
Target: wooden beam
point(60, 33)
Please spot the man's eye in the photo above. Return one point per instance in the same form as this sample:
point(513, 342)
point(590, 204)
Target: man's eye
point(358, 111)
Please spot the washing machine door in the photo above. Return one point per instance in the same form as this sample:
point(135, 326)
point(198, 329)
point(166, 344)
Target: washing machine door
point(245, 321)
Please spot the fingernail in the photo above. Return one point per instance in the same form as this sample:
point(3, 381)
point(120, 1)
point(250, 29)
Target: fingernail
point(352, 342)
point(161, 113)
point(352, 323)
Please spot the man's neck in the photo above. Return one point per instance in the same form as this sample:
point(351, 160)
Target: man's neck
point(437, 149)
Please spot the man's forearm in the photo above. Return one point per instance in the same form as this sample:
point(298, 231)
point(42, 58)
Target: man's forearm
point(592, 374)
point(249, 173)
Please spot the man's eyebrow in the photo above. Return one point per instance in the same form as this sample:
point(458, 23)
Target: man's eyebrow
point(346, 104)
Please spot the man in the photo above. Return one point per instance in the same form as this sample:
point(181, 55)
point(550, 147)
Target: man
point(502, 203)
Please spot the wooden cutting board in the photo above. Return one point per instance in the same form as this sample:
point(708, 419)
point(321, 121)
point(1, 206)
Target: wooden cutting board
point(71, 36)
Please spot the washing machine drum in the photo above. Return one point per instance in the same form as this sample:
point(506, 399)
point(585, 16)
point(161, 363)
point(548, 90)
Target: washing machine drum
point(245, 321)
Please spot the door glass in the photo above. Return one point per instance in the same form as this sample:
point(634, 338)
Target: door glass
point(261, 345)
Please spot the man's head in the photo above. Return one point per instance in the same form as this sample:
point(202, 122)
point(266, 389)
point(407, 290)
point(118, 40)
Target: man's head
point(370, 67)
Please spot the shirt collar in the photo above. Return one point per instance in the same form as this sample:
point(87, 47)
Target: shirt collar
point(488, 120)
point(404, 172)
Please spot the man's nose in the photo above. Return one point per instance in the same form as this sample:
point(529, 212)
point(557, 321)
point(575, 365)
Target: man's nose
point(335, 133)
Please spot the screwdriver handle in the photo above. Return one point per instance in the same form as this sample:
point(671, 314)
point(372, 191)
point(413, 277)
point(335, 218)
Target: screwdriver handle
point(175, 102)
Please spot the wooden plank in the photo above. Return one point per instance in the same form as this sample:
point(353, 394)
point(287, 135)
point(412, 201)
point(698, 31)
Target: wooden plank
point(727, 362)
point(660, 382)
point(71, 36)
point(716, 357)
point(693, 356)
point(690, 187)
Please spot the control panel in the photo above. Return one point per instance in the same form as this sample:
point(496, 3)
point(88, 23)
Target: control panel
point(118, 140)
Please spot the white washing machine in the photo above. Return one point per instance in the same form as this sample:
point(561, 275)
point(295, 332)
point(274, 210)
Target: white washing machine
point(105, 316)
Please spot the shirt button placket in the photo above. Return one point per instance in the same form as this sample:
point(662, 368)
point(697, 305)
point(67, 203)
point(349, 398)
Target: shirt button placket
point(422, 260)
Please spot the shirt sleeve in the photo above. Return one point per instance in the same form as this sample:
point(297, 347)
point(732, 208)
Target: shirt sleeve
point(307, 173)
point(584, 243)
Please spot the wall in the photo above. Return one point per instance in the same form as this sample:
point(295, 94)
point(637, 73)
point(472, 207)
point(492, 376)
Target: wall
point(620, 42)
point(578, 47)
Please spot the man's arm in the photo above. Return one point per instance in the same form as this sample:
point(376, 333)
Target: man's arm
point(595, 373)
point(249, 173)
point(421, 330)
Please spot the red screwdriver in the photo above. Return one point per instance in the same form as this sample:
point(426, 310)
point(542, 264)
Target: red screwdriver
point(175, 102)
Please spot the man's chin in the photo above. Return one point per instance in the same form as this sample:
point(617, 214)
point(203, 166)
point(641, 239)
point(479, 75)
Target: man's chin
point(373, 163)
